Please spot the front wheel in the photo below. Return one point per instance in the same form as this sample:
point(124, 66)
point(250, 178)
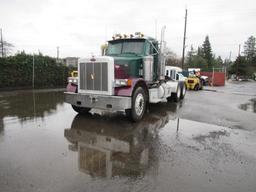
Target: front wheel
point(138, 105)
point(81, 110)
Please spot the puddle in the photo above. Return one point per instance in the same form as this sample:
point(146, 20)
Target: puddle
point(212, 135)
point(249, 106)
point(106, 152)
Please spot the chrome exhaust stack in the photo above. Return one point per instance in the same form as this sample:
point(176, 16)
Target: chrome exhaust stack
point(162, 56)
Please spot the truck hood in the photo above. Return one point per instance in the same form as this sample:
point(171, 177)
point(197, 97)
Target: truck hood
point(127, 66)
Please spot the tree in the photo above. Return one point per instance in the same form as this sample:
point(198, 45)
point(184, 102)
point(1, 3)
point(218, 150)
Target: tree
point(239, 67)
point(199, 62)
point(203, 58)
point(195, 59)
point(172, 59)
point(250, 49)
point(218, 62)
point(17, 70)
point(200, 52)
point(190, 56)
point(207, 52)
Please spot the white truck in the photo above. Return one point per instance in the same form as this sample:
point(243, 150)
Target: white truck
point(175, 73)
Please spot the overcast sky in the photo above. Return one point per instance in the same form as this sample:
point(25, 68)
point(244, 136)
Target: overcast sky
point(79, 27)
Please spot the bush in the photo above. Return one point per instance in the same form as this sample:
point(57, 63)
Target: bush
point(17, 71)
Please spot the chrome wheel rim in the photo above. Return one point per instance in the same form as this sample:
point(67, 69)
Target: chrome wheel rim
point(184, 90)
point(139, 104)
point(178, 92)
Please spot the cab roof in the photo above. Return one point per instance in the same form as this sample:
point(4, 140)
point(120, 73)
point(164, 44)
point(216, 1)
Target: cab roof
point(133, 38)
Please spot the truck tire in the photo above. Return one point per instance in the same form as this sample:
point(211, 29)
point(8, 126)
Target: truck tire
point(81, 110)
point(175, 96)
point(138, 105)
point(196, 88)
point(183, 91)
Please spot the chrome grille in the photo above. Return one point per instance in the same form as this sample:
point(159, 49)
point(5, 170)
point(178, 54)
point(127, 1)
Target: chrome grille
point(94, 76)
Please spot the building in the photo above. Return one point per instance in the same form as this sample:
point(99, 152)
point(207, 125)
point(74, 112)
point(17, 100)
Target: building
point(71, 61)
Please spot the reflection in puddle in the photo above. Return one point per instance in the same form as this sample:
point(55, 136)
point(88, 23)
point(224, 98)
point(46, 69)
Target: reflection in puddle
point(250, 106)
point(212, 135)
point(114, 146)
point(29, 104)
point(1, 125)
point(110, 146)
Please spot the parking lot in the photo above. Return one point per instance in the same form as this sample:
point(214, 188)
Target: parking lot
point(205, 143)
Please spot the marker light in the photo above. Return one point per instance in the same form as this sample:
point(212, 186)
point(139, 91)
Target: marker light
point(123, 82)
point(129, 82)
point(119, 35)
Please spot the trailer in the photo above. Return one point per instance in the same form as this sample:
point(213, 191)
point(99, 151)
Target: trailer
point(129, 76)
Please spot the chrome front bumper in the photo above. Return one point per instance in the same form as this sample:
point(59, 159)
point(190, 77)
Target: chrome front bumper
point(115, 103)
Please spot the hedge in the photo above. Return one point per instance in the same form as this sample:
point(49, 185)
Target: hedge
point(17, 71)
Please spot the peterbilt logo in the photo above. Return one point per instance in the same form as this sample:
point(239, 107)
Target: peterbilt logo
point(92, 76)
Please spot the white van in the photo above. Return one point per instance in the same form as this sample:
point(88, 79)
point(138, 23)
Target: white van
point(174, 73)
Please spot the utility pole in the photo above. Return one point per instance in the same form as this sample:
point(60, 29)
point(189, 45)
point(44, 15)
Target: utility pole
point(227, 65)
point(155, 28)
point(58, 52)
point(238, 61)
point(2, 43)
point(33, 75)
point(230, 56)
point(184, 40)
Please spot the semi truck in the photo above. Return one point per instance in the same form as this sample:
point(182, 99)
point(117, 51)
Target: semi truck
point(127, 77)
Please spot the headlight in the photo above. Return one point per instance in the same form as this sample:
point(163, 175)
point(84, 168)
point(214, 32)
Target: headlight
point(123, 82)
point(72, 80)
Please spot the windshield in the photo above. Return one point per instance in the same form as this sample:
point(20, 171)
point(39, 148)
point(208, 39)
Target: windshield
point(131, 47)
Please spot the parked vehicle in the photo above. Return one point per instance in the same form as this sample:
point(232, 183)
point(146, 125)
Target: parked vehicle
point(129, 76)
point(73, 77)
point(197, 71)
point(205, 80)
point(175, 73)
point(194, 81)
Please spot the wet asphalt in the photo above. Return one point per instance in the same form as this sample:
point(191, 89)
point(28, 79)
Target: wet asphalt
point(205, 143)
